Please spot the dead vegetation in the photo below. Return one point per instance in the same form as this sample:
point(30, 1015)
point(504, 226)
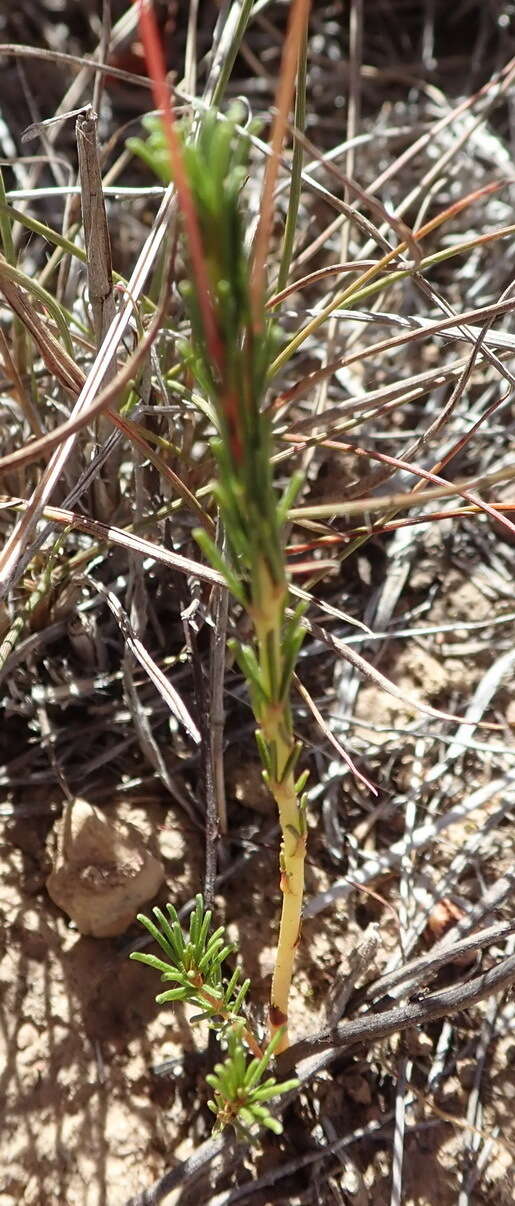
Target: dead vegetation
point(114, 682)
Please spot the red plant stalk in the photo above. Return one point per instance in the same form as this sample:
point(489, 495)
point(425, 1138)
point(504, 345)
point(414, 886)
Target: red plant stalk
point(163, 101)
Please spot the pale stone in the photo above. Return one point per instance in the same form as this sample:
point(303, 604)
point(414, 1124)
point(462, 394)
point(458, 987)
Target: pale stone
point(102, 873)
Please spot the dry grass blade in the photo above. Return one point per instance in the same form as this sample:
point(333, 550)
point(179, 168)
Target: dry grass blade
point(89, 403)
point(462, 486)
point(370, 169)
point(373, 675)
point(161, 683)
point(298, 22)
point(124, 539)
point(96, 233)
point(12, 50)
point(331, 737)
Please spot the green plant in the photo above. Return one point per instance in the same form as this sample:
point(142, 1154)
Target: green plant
point(194, 964)
point(233, 355)
point(232, 370)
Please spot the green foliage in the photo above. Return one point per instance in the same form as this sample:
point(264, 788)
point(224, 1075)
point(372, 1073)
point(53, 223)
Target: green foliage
point(217, 165)
point(239, 1091)
point(216, 158)
point(253, 512)
point(232, 344)
point(154, 149)
point(194, 964)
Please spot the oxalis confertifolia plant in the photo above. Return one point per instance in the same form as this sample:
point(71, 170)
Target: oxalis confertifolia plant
point(232, 347)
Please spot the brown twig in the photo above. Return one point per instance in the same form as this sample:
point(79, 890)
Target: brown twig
point(315, 1052)
point(309, 1057)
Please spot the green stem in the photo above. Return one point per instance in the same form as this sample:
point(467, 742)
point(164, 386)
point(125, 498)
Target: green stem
point(233, 41)
point(6, 234)
point(246, 1034)
point(350, 300)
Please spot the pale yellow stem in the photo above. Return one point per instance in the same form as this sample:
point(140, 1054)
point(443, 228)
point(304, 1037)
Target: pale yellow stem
point(277, 731)
point(293, 849)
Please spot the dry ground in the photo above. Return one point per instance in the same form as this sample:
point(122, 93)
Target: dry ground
point(101, 1091)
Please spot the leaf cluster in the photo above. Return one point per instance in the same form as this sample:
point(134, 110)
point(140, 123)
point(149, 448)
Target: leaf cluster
point(153, 149)
point(194, 964)
point(217, 164)
point(216, 160)
point(239, 1091)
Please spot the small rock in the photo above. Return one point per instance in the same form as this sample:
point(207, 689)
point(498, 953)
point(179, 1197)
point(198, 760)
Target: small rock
point(102, 873)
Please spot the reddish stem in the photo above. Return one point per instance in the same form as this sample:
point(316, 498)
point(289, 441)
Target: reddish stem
point(163, 101)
